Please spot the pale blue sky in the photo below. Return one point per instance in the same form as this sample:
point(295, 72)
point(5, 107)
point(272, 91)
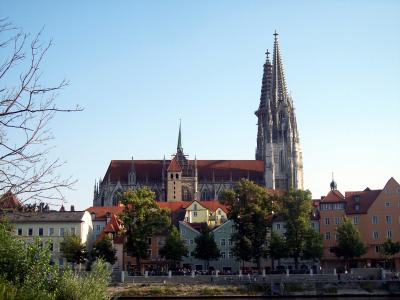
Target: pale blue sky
point(138, 66)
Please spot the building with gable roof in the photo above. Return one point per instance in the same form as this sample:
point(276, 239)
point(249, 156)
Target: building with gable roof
point(376, 213)
point(277, 165)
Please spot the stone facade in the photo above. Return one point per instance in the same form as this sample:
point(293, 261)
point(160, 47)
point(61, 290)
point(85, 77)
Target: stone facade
point(278, 142)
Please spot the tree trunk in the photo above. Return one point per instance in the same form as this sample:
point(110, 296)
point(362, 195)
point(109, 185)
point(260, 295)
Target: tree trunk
point(139, 264)
point(296, 262)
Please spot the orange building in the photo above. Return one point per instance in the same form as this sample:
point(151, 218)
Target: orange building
point(376, 213)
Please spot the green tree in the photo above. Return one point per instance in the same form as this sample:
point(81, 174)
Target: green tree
point(349, 243)
point(142, 218)
point(104, 249)
point(296, 209)
point(250, 207)
point(313, 245)
point(73, 250)
point(174, 247)
point(277, 248)
point(206, 247)
point(389, 250)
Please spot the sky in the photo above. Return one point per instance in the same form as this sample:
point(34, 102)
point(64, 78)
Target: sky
point(137, 67)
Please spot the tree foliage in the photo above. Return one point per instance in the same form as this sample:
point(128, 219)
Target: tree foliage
point(206, 247)
point(26, 272)
point(73, 250)
point(174, 247)
point(104, 249)
point(26, 109)
point(349, 243)
point(142, 218)
point(296, 209)
point(313, 245)
point(390, 249)
point(250, 207)
point(277, 247)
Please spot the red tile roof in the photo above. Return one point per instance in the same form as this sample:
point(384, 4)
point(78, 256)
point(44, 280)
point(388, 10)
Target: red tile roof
point(151, 170)
point(333, 196)
point(114, 225)
point(101, 211)
point(174, 206)
point(213, 205)
point(9, 201)
point(174, 166)
point(361, 199)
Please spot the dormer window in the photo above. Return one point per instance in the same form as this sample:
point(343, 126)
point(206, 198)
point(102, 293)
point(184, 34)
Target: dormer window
point(357, 207)
point(195, 207)
point(357, 198)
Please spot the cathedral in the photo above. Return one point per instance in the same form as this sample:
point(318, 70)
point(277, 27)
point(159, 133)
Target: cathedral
point(278, 160)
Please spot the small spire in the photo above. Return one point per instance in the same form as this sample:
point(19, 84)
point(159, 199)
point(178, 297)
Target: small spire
point(267, 53)
point(333, 184)
point(179, 147)
point(276, 35)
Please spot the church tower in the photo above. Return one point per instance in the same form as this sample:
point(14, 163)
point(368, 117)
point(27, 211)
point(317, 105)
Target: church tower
point(278, 142)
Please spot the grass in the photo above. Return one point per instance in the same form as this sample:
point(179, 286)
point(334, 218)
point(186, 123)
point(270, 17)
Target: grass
point(186, 290)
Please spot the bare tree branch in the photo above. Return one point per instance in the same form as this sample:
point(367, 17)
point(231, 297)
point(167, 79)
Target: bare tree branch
point(26, 109)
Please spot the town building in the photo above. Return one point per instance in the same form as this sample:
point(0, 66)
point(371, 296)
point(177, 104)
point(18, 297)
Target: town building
point(376, 213)
point(278, 163)
point(52, 227)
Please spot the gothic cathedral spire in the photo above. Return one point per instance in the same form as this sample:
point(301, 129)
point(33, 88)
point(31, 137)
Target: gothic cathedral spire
point(179, 147)
point(278, 141)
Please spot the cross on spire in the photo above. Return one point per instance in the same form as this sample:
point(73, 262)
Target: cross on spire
point(267, 53)
point(276, 34)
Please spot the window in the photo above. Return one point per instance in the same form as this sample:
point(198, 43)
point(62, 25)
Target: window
point(222, 242)
point(61, 231)
point(149, 241)
point(223, 255)
point(61, 261)
point(313, 225)
point(233, 229)
point(327, 235)
point(183, 231)
point(230, 242)
point(98, 227)
point(72, 230)
point(177, 176)
point(195, 214)
point(388, 219)
point(191, 242)
point(172, 176)
point(389, 233)
point(51, 247)
point(356, 220)
point(375, 235)
point(357, 198)
point(19, 231)
point(337, 220)
point(230, 254)
point(149, 253)
point(357, 207)
point(30, 231)
point(378, 248)
point(40, 231)
point(51, 231)
point(387, 204)
point(326, 221)
point(374, 219)
point(219, 212)
point(195, 206)
point(278, 226)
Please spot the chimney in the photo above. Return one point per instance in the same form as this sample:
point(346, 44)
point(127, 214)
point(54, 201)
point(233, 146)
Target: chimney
point(72, 208)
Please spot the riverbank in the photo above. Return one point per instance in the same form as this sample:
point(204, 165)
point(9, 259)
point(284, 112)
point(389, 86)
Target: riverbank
point(310, 289)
